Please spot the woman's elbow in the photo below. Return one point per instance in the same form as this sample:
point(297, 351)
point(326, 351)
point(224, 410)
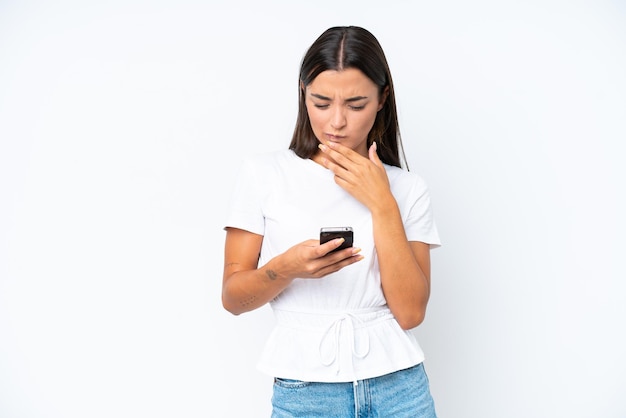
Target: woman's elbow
point(230, 307)
point(411, 320)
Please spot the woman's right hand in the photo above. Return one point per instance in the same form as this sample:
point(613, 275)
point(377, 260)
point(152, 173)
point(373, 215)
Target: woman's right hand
point(310, 260)
point(246, 286)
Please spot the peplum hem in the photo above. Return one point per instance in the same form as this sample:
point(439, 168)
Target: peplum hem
point(338, 347)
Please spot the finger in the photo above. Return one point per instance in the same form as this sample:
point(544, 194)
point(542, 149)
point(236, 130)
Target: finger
point(334, 161)
point(331, 245)
point(328, 162)
point(374, 155)
point(341, 263)
point(372, 152)
point(340, 153)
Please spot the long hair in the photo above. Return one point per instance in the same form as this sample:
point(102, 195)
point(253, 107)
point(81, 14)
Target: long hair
point(340, 48)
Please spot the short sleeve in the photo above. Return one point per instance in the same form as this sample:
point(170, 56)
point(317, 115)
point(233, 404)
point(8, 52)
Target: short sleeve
point(245, 210)
point(419, 221)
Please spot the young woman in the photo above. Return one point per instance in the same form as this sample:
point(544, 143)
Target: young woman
point(341, 346)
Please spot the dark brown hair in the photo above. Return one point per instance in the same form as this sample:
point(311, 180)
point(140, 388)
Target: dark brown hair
point(340, 48)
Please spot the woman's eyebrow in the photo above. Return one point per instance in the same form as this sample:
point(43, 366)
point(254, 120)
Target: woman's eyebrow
point(351, 99)
point(319, 96)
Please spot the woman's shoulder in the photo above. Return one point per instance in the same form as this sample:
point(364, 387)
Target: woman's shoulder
point(281, 156)
point(271, 163)
point(403, 176)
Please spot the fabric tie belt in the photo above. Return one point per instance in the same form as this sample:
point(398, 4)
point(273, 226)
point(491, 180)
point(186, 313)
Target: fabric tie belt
point(333, 336)
point(337, 329)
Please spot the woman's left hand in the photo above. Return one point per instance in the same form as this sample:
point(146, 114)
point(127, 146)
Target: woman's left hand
point(404, 266)
point(364, 178)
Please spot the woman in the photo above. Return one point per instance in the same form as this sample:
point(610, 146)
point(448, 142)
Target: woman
point(341, 345)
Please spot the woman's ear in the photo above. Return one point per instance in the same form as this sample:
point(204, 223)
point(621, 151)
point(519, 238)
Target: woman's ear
point(383, 97)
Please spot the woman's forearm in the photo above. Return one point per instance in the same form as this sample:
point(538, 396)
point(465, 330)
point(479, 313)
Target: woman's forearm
point(404, 266)
point(247, 290)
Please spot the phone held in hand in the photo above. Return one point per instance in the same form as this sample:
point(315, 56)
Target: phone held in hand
point(330, 233)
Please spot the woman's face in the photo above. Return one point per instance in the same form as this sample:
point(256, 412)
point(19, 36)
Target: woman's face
point(342, 107)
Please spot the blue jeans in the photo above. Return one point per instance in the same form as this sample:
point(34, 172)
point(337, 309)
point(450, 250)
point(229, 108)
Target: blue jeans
point(404, 393)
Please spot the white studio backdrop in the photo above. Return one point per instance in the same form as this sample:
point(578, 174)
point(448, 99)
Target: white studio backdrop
point(123, 123)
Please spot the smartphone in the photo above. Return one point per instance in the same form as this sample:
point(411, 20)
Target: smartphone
point(330, 233)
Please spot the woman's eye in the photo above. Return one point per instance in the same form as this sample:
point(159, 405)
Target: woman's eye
point(357, 107)
point(321, 106)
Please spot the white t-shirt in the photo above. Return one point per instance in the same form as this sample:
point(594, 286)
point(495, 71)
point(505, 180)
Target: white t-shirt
point(337, 328)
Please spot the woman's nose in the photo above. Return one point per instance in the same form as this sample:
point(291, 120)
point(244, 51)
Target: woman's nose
point(338, 118)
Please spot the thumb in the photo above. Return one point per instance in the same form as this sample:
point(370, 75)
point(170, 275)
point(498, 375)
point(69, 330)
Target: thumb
point(373, 155)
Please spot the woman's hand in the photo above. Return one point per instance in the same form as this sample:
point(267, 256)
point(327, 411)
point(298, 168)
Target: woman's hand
point(310, 260)
point(364, 178)
point(246, 286)
point(404, 266)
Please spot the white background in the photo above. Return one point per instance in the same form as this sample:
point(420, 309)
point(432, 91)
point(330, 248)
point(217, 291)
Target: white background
point(122, 124)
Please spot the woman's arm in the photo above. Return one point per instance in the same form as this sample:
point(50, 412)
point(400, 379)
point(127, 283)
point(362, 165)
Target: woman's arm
point(246, 286)
point(404, 265)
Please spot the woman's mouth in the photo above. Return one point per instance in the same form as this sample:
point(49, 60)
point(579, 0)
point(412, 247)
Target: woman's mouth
point(334, 138)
